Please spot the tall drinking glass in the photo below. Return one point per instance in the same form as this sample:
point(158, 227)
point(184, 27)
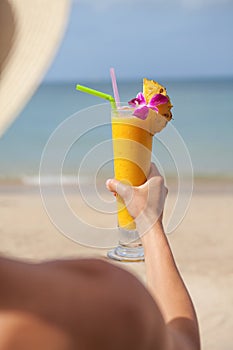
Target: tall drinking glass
point(132, 145)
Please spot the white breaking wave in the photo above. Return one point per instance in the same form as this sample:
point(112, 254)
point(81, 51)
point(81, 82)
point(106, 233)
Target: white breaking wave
point(54, 180)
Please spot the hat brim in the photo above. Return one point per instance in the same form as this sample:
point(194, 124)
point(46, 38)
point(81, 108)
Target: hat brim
point(39, 26)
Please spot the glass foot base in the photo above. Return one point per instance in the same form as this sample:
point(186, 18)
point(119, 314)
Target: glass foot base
point(127, 254)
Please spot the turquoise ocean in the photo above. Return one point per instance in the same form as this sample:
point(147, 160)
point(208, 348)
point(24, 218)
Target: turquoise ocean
point(203, 116)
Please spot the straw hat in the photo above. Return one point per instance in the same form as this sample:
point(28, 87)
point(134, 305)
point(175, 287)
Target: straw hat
point(30, 33)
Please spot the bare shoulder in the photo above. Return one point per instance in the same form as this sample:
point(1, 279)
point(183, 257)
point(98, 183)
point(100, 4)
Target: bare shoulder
point(91, 303)
point(111, 304)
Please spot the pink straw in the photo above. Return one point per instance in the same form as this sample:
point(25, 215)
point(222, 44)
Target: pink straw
point(114, 86)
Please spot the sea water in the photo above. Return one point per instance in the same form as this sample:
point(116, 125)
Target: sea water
point(202, 115)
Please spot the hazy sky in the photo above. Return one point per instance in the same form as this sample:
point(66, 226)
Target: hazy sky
point(153, 38)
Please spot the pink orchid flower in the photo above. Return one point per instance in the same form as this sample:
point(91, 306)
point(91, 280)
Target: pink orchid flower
point(142, 109)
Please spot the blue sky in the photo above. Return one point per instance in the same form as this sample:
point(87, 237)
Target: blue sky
point(153, 38)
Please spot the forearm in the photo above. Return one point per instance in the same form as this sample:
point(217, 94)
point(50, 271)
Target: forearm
point(164, 280)
point(166, 284)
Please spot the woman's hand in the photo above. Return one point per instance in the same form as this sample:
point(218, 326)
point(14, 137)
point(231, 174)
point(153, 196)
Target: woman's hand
point(145, 203)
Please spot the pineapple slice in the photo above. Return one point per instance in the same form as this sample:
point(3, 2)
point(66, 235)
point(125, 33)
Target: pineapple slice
point(151, 88)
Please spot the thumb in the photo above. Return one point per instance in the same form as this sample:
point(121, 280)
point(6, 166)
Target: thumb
point(116, 186)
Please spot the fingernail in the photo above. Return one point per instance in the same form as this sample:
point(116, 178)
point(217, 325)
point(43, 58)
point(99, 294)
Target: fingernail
point(108, 182)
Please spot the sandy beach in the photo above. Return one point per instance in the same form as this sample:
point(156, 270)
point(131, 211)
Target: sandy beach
point(202, 246)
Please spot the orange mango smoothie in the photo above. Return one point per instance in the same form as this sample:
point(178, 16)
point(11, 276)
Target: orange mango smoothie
point(132, 145)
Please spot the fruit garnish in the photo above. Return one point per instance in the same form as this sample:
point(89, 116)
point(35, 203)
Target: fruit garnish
point(151, 88)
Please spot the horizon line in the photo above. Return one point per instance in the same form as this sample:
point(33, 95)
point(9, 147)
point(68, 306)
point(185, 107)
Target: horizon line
point(135, 79)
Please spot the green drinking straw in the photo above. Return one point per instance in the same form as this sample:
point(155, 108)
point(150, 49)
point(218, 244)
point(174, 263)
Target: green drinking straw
point(98, 94)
